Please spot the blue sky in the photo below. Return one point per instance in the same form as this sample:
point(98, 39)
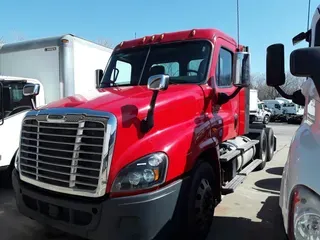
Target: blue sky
point(262, 22)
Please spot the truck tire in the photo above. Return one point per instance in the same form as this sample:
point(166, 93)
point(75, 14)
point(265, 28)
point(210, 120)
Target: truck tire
point(201, 202)
point(270, 146)
point(261, 149)
point(5, 176)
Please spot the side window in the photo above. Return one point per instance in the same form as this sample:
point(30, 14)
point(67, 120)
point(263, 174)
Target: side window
point(172, 68)
point(260, 106)
point(124, 73)
point(224, 68)
point(277, 106)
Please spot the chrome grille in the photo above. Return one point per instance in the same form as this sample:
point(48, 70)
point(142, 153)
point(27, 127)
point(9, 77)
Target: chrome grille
point(66, 154)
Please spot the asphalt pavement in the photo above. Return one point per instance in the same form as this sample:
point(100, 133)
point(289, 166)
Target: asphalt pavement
point(252, 211)
point(249, 213)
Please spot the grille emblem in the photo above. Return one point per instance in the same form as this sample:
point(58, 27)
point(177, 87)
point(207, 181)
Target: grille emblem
point(56, 118)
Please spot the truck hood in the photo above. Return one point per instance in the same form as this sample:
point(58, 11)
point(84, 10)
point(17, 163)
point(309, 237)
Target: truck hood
point(113, 99)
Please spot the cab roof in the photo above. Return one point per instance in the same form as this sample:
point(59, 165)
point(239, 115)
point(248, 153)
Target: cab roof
point(200, 33)
point(17, 78)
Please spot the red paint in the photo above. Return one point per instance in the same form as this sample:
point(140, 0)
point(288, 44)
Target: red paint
point(187, 120)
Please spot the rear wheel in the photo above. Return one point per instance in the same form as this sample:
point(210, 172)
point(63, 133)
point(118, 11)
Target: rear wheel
point(270, 141)
point(261, 149)
point(201, 202)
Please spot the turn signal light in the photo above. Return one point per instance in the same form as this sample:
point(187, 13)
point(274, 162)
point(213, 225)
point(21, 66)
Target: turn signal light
point(193, 32)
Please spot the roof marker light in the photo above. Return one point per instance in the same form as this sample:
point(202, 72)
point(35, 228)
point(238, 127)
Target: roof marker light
point(144, 39)
point(193, 32)
point(162, 36)
point(152, 38)
point(64, 40)
point(121, 44)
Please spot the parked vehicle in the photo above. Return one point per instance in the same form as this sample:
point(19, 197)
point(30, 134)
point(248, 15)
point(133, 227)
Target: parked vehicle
point(62, 66)
point(125, 163)
point(258, 113)
point(274, 106)
point(276, 109)
point(300, 188)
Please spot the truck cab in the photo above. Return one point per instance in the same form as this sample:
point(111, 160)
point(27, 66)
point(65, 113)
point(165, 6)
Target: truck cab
point(149, 153)
point(13, 107)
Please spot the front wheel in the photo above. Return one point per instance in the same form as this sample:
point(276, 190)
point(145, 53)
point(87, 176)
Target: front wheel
point(266, 119)
point(201, 202)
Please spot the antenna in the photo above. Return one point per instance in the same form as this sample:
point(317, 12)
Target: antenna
point(238, 25)
point(308, 20)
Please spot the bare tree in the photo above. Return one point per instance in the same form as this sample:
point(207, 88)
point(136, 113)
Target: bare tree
point(1, 40)
point(258, 81)
point(105, 43)
point(18, 36)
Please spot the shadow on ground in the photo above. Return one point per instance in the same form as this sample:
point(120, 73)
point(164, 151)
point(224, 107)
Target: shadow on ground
point(276, 171)
point(272, 184)
point(269, 228)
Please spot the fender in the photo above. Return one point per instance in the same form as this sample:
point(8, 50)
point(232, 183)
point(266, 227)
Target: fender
point(184, 144)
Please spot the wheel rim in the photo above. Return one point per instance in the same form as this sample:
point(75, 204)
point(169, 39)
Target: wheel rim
point(204, 205)
point(266, 119)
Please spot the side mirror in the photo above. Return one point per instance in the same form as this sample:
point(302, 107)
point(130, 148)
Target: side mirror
point(99, 74)
point(158, 82)
point(275, 65)
point(31, 89)
point(304, 62)
point(242, 69)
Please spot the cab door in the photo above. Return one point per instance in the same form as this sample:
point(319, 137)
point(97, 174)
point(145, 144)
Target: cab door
point(228, 112)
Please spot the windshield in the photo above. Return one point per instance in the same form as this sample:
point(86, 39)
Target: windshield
point(13, 97)
point(184, 62)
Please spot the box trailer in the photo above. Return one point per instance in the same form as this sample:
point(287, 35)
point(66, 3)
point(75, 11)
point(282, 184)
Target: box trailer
point(64, 65)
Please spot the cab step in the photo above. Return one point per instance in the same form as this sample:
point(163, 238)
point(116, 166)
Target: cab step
point(239, 178)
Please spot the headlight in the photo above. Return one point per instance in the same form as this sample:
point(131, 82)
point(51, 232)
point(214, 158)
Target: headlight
point(16, 160)
point(149, 171)
point(306, 218)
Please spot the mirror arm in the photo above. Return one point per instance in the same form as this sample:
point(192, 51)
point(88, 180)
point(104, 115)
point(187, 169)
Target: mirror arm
point(297, 97)
point(282, 93)
point(224, 98)
point(33, 102)
point(148, 122)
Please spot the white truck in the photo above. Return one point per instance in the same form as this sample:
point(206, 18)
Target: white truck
point(274, 106)
point(258, 113)
point(300, 189)
point(63, 65)
point(292, 112)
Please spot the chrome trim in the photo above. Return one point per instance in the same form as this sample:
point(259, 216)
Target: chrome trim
point(107, 151)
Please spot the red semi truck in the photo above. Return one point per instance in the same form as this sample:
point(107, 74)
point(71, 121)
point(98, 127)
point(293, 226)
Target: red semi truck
point(150, 153)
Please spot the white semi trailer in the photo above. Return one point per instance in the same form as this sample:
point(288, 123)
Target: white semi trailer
point(63, 65)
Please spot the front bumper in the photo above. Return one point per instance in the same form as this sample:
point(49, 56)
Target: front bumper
point(141, 217)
